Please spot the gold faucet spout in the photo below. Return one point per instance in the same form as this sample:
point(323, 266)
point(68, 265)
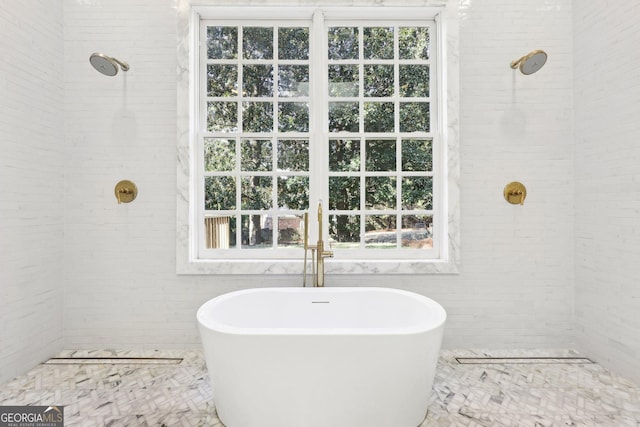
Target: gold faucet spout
point(318, 253)
point(321, 254)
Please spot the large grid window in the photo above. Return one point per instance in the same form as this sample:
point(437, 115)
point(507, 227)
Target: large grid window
point(320, 107)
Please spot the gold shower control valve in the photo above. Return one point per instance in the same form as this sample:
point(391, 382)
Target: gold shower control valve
point(126, 191)
point(515, 192)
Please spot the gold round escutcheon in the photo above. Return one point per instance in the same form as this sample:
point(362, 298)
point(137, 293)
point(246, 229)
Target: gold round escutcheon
point(125, 191)
point(515, 192)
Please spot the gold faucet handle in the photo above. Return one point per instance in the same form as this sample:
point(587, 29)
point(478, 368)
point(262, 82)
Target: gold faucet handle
point(125, 191)
point(515, 193)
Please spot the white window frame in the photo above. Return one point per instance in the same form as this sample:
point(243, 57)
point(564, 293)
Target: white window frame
point(445, 257)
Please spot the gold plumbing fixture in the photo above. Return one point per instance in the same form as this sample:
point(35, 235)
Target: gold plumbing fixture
point(531, 62)
point(107, 65)
point(515, 192)
point(126, 191)
point(318, 254)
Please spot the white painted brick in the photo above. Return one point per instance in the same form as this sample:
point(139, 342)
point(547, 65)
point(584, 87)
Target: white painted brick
point(607, 95)
point(31, 184)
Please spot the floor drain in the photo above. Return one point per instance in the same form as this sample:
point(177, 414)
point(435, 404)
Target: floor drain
point(522, 360)
point(114, 361)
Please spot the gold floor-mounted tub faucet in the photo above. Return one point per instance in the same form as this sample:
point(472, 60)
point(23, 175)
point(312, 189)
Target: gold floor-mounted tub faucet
point(318, 254)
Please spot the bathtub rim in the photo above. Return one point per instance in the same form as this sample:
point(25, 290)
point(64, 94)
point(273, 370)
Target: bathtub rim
point(223, 328)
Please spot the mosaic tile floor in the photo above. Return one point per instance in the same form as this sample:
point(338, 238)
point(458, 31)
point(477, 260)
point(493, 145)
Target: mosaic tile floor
point(476, 393)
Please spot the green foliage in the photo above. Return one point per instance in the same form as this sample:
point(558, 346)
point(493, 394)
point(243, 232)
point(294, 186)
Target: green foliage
point(255, 155)
point(343, 42)
point(376, 80)
point(344, 117)
point(414, 43)
point(379, 117)
point(293, 192)
point(219, 193)
point(378, 43)
point(381, 155)
point(293, 43)
point(222, 42)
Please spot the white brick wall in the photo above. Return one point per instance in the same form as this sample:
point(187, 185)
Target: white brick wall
point(31, 183)
point(607, 182)
point(516, 285)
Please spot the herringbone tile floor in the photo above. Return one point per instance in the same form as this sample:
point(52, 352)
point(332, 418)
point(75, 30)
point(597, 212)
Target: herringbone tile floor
point(495, 393)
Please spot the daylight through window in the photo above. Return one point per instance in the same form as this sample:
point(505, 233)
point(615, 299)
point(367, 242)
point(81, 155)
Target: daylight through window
point(320, 107)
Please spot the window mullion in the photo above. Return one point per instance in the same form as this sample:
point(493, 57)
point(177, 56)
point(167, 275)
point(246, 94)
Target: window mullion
point(363, 144)
point(318, 117)
point(396, 120)
point(275, 226)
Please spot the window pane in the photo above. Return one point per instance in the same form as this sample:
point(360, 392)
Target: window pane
point(219, 193)
point(256, 231)
point(293, 192)
point(344, 155)
point(293, 155)
point(256, 155)
point(344, 193)
point(293, 117)
point(344, 231)
point(222, 42)
point(381, 155)
point(417, 155)
point(220, 232)
point(290, 231)
point(293, 80)
point(417, 192)
point(222, 116)
point(378, 43)
point(344, 117)
point(343, 80)
point(379, 117)
point(256, 192)
point(414, 117)
point(378, 80)
point(381, 192)
point(414, 43)
point(257, 80)
point(257, 116)
point(380, 232)
point(257, 43)
point(414, 80)
point(293, 43)
point(219, 155)
point(343, 42)
point(416, 231)
point(222, 80)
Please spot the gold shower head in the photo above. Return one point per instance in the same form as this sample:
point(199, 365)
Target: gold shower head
point(107, 65)
point(531, 62)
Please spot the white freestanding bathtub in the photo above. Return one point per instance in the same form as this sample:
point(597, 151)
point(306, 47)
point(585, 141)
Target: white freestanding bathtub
point(321, 357)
